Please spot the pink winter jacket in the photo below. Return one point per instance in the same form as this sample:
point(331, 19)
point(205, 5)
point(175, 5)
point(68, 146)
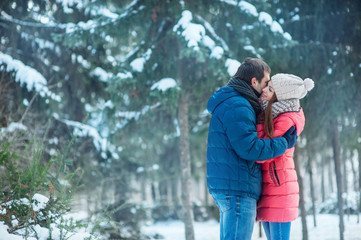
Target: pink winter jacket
point(280, 191)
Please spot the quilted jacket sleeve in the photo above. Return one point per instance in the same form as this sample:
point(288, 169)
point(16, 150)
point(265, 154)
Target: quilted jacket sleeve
point(281, 125)
point(240, 126)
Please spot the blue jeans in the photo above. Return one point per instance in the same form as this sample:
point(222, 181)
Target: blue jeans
point(277, 230)
point(237, 216)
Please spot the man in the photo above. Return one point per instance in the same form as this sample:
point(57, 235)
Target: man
point(233, 177)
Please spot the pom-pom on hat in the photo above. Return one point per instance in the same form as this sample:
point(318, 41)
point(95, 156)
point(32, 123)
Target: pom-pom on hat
point(288, 86)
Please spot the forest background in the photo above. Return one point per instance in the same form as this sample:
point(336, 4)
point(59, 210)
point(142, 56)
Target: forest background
point(103, 105)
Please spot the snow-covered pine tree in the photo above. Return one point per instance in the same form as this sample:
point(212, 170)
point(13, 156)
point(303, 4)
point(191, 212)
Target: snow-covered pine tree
point(52, 54)
point(159, 62)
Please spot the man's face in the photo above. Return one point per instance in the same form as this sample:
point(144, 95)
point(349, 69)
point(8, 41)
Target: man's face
point(260, 86)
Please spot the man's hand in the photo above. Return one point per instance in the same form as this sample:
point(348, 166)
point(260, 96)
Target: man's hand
point(291, 137)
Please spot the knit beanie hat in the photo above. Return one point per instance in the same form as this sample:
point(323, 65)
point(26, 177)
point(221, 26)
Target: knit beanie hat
point(288, 86)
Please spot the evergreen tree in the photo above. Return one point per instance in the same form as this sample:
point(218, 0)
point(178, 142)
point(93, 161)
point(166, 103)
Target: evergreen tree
point(51, 55)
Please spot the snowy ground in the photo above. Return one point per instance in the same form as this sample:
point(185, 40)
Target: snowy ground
point(327, 229)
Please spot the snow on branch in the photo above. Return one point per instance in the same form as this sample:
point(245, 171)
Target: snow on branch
point(213, 33)
point(129, 115)
point(6, 17)
point(244, 6)
point(275, 26)
point(164, 84)
point(28, 76)
point(111, 17)
point(138, 63)
point(68, 5)
point(72, 3)
point(232, 66)
point(42, 43)
point(262, 16)
point(192, 32)
point(196, 33)
point(83, 130)
point(104, 76)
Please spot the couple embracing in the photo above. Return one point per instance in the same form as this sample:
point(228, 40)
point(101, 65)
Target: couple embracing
point(250, 171)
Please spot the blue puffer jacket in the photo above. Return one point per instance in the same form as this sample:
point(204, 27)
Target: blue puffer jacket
point(233, 146)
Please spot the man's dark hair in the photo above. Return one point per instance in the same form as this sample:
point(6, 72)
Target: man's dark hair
point(250, 68)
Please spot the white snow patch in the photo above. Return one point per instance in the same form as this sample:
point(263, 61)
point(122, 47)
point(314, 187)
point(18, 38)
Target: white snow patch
point(329, 71)
point(39, 202)
point(101, 74)
point(232, 66)
point(248, 7)
point(83, 130)
point(287, 36)
point(217, 52)
point(243, 5)
point(43, 233)
point(13, 127)
point(164, 84)
point(28, 76)
point(265, 17)
point(26, 102)
point(208, 42)
point(276, 27)
point(129, 115)
point(327, 229)
point(295, 18)
point(69, 3)
point(138, 63)
point(124, 75)
point(192, 33)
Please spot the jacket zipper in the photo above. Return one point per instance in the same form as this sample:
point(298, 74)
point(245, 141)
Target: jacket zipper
point(275, 172)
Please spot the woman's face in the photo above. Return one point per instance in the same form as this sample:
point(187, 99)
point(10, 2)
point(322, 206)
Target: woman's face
point(268, 92)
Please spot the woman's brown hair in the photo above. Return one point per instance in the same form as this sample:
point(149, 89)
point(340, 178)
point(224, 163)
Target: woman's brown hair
point(268, 119)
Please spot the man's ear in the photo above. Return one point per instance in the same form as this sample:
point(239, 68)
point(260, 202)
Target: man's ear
point(254, 82)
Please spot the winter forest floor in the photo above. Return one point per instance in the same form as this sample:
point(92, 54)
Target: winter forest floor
point(327, 229)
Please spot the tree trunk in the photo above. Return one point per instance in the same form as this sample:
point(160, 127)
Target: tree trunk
point(175, 195)
point(302, 199)
point(154, 195)
point(310, 173)
point(344, 169)
point(337, 159)
point(359, 184)
point(185, 160)
point(330, 176)
point(143, 185)
point(354, 182)
point(323, 165)
point(163, 192)
point(354, 173)
point(359, 171)
point(344, 180)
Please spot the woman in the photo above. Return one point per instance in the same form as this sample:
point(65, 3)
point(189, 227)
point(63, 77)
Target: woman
point(278, 205)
